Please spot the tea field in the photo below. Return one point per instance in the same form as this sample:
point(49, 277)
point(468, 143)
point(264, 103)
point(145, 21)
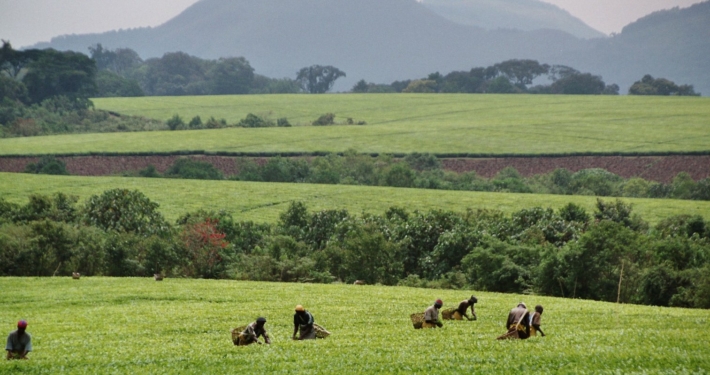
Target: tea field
point(263, 202)
point(405, 123)
point(139, 326)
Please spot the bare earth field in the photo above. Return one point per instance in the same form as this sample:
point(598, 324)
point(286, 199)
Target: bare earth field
point(652, 168)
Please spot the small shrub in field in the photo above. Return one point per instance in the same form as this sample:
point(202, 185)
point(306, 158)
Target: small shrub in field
point(195, 123)
point(254, 121)
point(283, 123)
point(213, 123)
point(175, 123)
point(47, 165)
point(324, 120)
point(149, 171)
point(193, 169)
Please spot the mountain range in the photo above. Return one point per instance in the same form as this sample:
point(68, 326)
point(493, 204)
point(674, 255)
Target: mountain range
point(386, 40)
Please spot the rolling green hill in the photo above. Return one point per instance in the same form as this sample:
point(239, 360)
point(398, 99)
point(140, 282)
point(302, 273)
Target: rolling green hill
point(263, 202)
point(135, 325)
point(492, 124)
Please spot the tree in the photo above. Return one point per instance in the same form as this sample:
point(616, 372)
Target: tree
point(110, 84)
point(421, 86)
point(660, 86)
point(360, 87)
point(127, 211)
point(579, 84)
point(13, 62)
point(55, 73)
point(318, 79)
point(522, 72)
point(231, 75)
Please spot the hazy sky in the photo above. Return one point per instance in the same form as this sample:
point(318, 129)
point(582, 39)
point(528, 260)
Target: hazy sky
point(25, 22)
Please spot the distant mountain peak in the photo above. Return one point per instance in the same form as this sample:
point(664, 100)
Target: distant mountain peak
point(526, 15)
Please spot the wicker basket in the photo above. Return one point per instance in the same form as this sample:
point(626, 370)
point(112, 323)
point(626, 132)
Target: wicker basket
point(448, 314)
point(321, 332)
point(236, 335)
point(417, 320)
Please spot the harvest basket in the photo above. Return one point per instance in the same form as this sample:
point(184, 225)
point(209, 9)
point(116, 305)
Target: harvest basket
point(448, 314)
point(236, 335)
point(321, 332)
point(417, 320)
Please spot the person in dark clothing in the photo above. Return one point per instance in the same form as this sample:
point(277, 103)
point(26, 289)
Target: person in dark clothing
point(303, 321)
point(252, 332)
point(19, 342)
point(460, 312)
point(518, 319)
point(535, 321)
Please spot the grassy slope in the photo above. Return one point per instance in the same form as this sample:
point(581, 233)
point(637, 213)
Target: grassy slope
point(263, 202)
point(135, 325)
point(407, 123)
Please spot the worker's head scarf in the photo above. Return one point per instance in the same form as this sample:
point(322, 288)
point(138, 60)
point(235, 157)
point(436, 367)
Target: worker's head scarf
point(523, 305)
point(22, 324)
point(300, 308)
point(261, 320)
point(439, 302)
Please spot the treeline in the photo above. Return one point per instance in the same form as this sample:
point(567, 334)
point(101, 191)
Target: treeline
point(507, 77)
point(610, 254)
point(520, 77)
point(425, 171)
point(123, 73)
point(47, 92)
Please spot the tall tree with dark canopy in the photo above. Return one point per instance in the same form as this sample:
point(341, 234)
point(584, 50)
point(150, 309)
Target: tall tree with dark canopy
point(318, 79)
point(522, 72)
point(55, 73)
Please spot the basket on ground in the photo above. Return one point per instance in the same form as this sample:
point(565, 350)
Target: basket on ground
point(321, 332)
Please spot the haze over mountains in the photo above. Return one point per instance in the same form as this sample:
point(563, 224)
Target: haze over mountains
point(382, 41)
point(511, 14)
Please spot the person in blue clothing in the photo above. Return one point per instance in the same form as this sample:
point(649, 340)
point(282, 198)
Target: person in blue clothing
point(19, 342)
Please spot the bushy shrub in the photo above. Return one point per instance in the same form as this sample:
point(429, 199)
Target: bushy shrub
point(324, 120)
point(48, 165)
point(193, 169)
point(254, 121)
point(175, 123)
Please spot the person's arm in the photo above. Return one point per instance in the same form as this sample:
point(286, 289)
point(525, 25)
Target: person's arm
point(9, 355)
point(295, 326)
point(267, 340)
point(473, 312)
point(537, 327)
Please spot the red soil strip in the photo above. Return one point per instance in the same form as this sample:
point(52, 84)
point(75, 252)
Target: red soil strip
point(652, 168)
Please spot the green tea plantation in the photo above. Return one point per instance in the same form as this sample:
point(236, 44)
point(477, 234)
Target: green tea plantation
point(140, 326)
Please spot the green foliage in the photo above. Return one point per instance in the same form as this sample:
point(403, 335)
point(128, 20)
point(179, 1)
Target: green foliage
point(324, 120)
point(175, 123)
point(110, 84)
point(254, 121)
point(421, 86)
point(401, 123)
point(48, 165)
point(183, 311)
point(124, 211)
point(660, 86)
point(195, 123)
point(193, 169)
point(283, 123)
point(317, 79)
point(53, 73)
